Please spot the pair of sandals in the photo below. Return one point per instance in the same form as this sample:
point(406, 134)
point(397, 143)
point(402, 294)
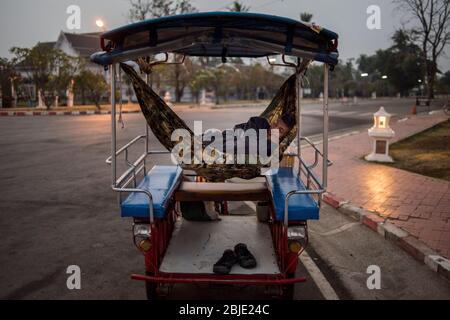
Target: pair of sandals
point(229, 258)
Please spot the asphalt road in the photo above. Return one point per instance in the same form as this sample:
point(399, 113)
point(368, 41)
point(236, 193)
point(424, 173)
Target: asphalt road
point(57, 210)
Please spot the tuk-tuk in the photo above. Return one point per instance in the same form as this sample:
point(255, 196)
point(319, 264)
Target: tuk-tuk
point(176, 250)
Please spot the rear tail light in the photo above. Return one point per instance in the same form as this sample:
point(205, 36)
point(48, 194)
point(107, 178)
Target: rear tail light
point(142, 236)
point(297, 238)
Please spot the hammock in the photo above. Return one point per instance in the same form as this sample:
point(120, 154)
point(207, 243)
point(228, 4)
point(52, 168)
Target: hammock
point(163, 121)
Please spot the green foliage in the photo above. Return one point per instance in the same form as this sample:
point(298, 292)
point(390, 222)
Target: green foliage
point(402, 63)
point(444, 83)
point(93, 83)
point(146, 9)
point(306, 17)
point(51, 70)
point(430, 23)
point(243, 81)
point(8, 78)
point(238, 6)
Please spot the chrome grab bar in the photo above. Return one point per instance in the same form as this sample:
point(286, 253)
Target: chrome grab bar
point(125, 147)
point(132, 166)
point(147, 193)
point(310, 175)
point(317, 153)
point(293, 192)
point(307, 170)
point(131, 169)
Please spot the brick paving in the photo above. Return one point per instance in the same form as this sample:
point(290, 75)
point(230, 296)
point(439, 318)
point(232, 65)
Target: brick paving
point(418, 204)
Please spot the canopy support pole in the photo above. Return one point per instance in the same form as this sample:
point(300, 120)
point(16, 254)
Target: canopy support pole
point(325, 127)
point(298, 85)
point(113, 124)
point(147, 146)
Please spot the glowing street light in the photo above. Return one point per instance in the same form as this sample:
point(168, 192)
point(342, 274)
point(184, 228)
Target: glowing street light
point(99, 23)
point(384, 77)
point(364, 74)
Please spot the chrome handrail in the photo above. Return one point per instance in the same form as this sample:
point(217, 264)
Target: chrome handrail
point(298, 192)
point(131, 169)
point(125, 147)
point(146, 192)
point(317, 153)
point(310, 174)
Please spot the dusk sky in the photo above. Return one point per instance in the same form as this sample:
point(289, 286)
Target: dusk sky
point(25, 22)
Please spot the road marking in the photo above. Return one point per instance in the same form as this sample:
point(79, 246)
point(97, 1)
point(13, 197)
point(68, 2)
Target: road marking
point(350, 113)
point(324, 286)
point(337, 230)
point(332, 138)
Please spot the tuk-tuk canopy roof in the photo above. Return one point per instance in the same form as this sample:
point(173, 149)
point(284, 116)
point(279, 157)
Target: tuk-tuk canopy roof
point(219, 34)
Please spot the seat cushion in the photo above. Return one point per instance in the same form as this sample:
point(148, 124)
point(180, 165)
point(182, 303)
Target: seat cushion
point(301, 206)
point(161, 182)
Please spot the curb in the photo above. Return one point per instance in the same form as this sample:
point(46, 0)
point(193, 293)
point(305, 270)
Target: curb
point(414, 247)
point(58, 113)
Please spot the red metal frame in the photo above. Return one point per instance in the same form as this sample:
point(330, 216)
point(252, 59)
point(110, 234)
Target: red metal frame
point(216, 279)
point(161, 233)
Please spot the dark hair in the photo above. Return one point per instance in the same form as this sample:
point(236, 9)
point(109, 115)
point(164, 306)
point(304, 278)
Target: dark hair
point(288, 120)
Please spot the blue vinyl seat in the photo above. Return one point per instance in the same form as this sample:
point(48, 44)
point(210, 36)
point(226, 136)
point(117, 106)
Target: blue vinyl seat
point(161, 182)
point(301, 206)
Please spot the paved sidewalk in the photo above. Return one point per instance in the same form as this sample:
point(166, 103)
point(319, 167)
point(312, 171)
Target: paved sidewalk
point(420, 205)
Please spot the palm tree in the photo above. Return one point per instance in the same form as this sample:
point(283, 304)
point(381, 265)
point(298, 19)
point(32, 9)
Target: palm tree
point(306, 17)
point(238, 6)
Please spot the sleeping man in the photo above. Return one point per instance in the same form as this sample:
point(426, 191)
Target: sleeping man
point(248, 138)
point(208, 210)
point(284, 125)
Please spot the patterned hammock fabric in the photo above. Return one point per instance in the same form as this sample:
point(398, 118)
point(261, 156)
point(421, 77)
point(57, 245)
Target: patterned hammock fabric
point(162, 120)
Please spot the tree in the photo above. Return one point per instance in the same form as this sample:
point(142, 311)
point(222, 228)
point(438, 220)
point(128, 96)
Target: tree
point(215, 78)
point(306, 17)
point(444, 83)
point(314, 78)
point(403, 63)
point(92, 83)
point(342, 83)
point(432, 33)
point(144, 9)
point(139, 10)
point(8, 78)
point(198, 82)
point(238, 6)
point(49, 69)
point(181, 76)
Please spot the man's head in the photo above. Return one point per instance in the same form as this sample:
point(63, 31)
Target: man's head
point(284, 125)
